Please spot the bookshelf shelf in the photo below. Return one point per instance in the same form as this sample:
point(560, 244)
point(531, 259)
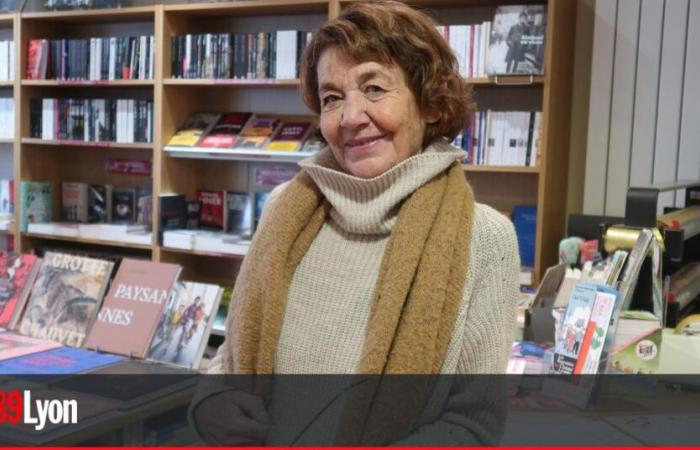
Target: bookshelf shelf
point(83, 240)
point(68, 143)
point(252, 7)
point(508, 81)
point(234, 154)
point(7, 141)
point(225, 82)
point(89, 83)
point(501, 169)
point(7, 83)
point(202, 253)
point(6, 19)
point(115, 15)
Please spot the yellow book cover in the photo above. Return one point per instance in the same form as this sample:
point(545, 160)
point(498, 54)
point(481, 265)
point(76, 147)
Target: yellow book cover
point(195, 127)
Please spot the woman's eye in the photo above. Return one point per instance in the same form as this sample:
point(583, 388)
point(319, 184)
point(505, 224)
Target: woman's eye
point(329, 100)
point(373, 89)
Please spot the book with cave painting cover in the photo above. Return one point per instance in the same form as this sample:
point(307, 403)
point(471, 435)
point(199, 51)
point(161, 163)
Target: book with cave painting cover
point(65, 298)
point(132, 308)
point(17, 274)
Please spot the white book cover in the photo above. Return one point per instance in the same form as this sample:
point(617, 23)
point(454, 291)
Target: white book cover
point(458, 39)
point(188, 56)
point(112, 58)
point(12, 60)
point(121, 120)
point(476, 51)
point(151, 57)
point(91, 59)
point(536, 138)
point(470, 50)
point(142, 57)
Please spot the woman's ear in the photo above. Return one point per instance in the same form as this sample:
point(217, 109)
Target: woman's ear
point(432, 116)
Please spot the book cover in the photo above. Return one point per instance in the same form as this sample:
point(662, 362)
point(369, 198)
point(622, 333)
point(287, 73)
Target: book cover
point(290, 137)
point(224, 133)
point(593, 350)
point(257, 132)
point(211, 214)
point(173, 213)
point(65, 298)
point(313, 142)
point(58, 361)
point(196, 126)
point(144, 205)
point(124, 205)
point(13, 345)
point(573, 327)
point(129, 315)
point(188, 318)
point(74, 202)
point(240, 213)
point(194, 208)
point(35, 203)
point(99, 203)
point(517, 40)
point(17, 274)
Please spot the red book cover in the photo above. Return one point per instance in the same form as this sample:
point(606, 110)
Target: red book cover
point(34, 57)
point(211, 214)
point(224, 133)
point(17, 273)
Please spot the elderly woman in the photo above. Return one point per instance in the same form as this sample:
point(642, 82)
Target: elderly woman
point(374, 259)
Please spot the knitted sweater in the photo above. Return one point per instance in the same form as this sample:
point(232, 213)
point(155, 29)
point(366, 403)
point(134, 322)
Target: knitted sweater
point(330, 297)
point(331, 292)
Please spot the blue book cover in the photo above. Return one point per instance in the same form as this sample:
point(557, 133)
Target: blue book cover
point(59, 361)
point(525, 222)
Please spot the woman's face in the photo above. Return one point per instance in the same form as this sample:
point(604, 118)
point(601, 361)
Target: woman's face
point(369, 116)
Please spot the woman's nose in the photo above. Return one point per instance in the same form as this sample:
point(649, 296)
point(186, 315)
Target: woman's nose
point(354, 112)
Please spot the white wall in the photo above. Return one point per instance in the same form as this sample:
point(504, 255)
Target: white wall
point(644, 110)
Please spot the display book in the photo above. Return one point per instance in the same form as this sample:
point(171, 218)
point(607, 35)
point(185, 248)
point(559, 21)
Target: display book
point(246, 131)
point(595, 330)
point(147, 314)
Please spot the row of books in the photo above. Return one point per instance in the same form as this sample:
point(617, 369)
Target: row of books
point(7, 118)
point(146, 313)
point(97, 58)
point(96, 203)
point(92, 120)
point(247, 131)
point(502, 138)
point(238, 55)
point(469, 44)
point(235, 213)
point(7, 60)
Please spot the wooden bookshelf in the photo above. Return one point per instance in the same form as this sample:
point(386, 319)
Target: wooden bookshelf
point(91, 144)
point(178, 170)
point(90, 83)
point(82, 240)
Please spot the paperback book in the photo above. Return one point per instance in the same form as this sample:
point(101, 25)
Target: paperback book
point(57, 361)
point(224, 133)
point(196, 126)
point(517, 40)
point(17, 275)
point(132, 308)
point(184, 331)
point(13, 345)
point(65, 298)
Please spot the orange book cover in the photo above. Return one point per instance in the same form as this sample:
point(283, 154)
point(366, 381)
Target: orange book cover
point(132, 308)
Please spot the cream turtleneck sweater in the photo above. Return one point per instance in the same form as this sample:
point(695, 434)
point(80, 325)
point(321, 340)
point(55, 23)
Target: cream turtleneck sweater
point(330, 295)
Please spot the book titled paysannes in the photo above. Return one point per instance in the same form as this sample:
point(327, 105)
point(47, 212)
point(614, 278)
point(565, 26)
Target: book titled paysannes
point(224, 133)
point(257, 132)
point(196, 126)
point(290, 137)
point(128, 318)
point(65, 298)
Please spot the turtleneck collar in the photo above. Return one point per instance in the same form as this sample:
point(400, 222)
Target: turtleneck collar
point(370, 205)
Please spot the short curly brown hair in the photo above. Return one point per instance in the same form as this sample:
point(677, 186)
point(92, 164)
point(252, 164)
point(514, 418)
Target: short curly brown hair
point(390, 32)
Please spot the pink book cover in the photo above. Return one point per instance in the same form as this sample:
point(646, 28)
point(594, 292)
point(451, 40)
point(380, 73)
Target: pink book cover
point(13, 345)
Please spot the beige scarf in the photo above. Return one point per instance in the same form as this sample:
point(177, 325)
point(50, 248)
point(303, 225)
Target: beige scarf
point(418, 291)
